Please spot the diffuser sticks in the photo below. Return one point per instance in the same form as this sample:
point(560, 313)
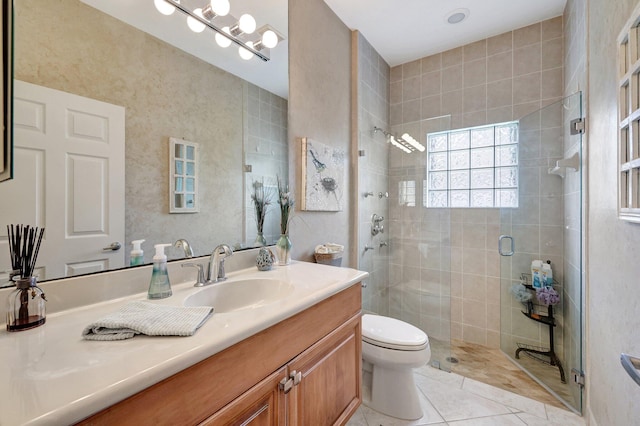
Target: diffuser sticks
point(24, 246)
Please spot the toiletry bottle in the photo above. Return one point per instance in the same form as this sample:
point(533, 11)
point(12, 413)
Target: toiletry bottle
point(536, 278)
point(160, 287)
point(137, 255)
point(547, 274)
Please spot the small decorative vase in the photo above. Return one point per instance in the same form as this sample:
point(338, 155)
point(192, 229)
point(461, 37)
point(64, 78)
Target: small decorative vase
point(283, 249)
point(265, 259)
point(26, 305)
point(260, 241)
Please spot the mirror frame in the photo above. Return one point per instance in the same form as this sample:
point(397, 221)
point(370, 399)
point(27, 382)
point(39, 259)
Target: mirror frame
point(6, 149)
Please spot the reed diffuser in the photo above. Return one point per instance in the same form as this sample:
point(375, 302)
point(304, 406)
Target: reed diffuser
point(26, 308)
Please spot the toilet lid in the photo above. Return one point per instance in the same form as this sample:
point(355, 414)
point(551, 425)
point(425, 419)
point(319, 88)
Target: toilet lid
point(392, 333)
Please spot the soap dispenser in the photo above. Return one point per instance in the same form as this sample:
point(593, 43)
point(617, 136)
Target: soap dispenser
point(160, 287)
point(137, 255)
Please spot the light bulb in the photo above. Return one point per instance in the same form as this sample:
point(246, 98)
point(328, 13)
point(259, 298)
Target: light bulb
point(164, 7)
point(222, 40)
point(269, 39)
point(195, 25)
point(247, 24)
point(244, 53)
point(220, 7)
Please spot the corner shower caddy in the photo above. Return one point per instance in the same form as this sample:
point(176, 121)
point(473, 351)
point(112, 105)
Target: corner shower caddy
point(549, 320)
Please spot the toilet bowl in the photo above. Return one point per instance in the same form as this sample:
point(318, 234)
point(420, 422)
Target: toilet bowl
point(391, 349)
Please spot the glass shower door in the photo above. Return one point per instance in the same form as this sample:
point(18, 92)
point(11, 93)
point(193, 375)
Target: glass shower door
point(541, 315)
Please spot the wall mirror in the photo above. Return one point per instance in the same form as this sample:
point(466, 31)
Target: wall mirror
point(6, 146)
point(90, 80)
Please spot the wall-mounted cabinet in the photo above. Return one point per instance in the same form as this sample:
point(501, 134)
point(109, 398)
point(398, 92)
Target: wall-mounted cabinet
point(629, 119)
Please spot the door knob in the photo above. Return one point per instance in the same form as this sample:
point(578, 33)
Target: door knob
point(115, 246)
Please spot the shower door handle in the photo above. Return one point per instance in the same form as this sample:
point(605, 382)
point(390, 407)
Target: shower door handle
point(513, 245)
point(631, 366)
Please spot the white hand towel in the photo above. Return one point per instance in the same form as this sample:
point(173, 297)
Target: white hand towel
point(139, 317)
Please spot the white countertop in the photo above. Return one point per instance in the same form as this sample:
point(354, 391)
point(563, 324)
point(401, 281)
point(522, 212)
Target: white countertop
point(50, 375)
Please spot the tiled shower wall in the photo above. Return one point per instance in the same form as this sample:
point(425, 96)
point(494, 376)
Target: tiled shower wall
point(265, 150)
point(494, 80)
point(373, 172)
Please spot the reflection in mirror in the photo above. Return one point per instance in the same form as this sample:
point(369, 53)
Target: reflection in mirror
point(98, 101)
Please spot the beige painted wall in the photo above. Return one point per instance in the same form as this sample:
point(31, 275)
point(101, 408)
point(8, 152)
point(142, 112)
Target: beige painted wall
point(613, 323)
point(320, 109)
point(166, 93)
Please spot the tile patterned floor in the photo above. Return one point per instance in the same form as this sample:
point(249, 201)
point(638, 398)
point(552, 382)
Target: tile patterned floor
point(492, 367)
point(451, 399)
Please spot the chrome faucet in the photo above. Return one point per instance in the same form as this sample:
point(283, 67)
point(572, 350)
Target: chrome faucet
point(188, 251)
point(215, 272)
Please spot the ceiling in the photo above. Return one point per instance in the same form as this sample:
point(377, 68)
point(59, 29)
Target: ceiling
point(401, 31)
point(405, 30)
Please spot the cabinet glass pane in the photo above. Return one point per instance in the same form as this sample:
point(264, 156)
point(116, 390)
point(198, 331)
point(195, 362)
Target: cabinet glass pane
point(190, 200)
point(179, 200)
point(179, 151)
point(191, 168)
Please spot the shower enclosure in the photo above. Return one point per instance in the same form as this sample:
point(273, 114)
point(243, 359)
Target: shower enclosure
point(541, 329)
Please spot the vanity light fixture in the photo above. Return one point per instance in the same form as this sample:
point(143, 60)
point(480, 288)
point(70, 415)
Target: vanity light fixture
point(406, 143)
point(228, 30)
point(164, 7)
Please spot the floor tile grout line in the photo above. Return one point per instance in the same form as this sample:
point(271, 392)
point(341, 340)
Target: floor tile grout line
point(430, 402)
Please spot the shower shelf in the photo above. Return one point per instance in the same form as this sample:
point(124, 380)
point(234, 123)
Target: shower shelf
point(537, 353)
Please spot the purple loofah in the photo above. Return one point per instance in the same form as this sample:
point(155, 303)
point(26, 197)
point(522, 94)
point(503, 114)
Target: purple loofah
point(547, 296)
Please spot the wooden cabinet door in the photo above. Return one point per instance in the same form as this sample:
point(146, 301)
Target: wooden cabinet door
point(262, 405)
point(329, 388)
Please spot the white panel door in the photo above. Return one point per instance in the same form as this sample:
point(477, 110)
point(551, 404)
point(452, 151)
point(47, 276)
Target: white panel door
point(69, 179)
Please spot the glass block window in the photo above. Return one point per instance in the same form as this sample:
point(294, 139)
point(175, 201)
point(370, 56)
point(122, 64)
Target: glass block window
point(407, 193)
point(473, 167)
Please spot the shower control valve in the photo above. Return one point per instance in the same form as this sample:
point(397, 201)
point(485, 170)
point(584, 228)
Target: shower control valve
point(376, 225)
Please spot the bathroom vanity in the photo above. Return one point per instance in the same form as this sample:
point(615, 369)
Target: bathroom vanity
point(293, 361)
point(304, 370)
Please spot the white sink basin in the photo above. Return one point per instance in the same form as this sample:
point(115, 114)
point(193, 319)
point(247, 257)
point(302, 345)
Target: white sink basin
point(229, 296)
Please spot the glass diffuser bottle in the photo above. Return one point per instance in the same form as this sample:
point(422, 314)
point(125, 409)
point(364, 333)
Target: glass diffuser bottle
point(26, 308)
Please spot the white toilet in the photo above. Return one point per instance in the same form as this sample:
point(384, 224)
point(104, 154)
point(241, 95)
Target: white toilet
point(391, 349)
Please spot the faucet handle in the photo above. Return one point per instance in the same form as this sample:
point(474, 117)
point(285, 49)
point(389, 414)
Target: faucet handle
point(201, 281)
